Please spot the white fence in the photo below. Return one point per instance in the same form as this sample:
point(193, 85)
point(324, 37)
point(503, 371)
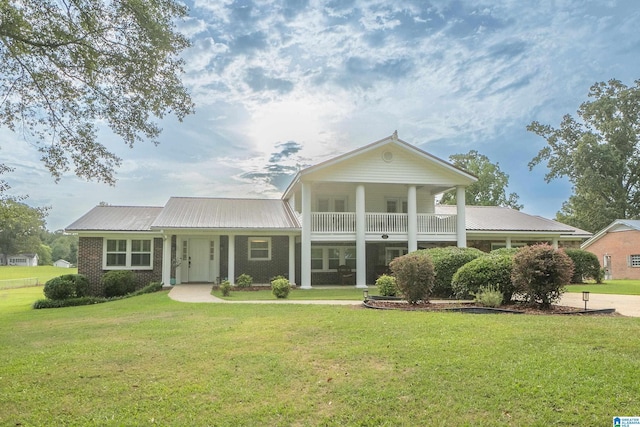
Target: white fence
point(19, 283)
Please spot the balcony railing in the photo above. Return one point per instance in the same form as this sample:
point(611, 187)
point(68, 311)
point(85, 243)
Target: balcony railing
point(345, 222)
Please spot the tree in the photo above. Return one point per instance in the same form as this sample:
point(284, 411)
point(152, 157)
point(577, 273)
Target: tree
point(20, 227)
point(68, 65)
point(599, 154)
point(489, 190)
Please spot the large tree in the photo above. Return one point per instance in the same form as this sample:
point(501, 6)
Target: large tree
point(599, 153)
point(68, 66)
point(489, 190)
point(20, 227)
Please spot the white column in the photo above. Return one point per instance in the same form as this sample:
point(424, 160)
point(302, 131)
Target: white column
point(508, 243)
point(305, 251)
point(166, 260)
point(412, 219)
point(461, 227)
point(361, 227)
point(292, 260)
point(555, 243)
point(231, 251)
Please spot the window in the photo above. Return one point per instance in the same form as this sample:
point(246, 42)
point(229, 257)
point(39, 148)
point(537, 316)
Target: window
point(128, 253)
point(332, 204)
point(212, 250)
point(392, 253)
point(328, 258)
point(397, 205)
point(634, 260)
point(259, 248)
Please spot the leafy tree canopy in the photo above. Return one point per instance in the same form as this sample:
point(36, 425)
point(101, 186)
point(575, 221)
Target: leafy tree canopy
point(20, 227)
point(598, 152)
point(69, 66)
point(489, 190)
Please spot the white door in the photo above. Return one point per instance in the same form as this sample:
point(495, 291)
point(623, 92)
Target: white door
point(199, 254)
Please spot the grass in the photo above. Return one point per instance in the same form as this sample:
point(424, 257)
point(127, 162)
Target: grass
point(150, 360)
point(16, 277)
point(619, 287)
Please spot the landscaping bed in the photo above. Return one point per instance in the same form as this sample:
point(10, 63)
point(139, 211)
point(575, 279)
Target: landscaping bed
point(468, 307)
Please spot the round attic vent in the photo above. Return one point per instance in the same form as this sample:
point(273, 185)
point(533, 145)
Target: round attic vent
point(387, 156)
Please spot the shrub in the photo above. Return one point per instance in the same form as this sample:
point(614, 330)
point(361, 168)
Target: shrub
point(586, 266)
point(59, 289)
point(414, 276)
point(280, 287)
point(446, 261)
point(71, 302)
point(244, 281)
point(504, 251)
point(225, 288)
point(387, 285)
point(489, 296)
point(540, 273)
point(118, 283)
point(488, 270)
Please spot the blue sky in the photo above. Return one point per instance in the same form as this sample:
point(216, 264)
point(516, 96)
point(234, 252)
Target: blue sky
point(284, 84)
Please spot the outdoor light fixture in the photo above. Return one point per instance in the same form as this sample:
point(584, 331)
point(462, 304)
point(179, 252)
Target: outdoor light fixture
point(585, 298)
point(365, 293)
point(385, 236)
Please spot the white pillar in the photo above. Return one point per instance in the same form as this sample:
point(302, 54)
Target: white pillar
point(305, 251)
point(555, 243)
point(461, 226)
point(412, 219)
point(231, 254)
point(508, 242)
point(292, 260)
point(361, 228)
point(166, 260)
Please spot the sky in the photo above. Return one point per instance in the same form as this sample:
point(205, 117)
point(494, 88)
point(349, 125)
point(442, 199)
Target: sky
point(280, 85)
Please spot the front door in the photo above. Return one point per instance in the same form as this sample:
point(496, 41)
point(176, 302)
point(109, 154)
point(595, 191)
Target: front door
point(199, 256)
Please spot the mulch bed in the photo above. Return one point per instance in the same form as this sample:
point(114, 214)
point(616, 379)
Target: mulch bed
point(472, 308)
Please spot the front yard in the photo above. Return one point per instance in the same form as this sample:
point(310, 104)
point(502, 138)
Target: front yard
point(150, 360)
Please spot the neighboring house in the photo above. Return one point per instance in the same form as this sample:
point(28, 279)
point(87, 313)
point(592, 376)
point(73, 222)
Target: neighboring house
point(24, 260)
point(618, 249)
point(62, 263)
point(360, 209)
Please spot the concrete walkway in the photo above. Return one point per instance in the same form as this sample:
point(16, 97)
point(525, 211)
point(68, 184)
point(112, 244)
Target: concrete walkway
point(627, 305)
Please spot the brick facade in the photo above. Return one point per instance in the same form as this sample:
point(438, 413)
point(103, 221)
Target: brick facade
point(262, 271)
point(619, 246)
point(90, 263)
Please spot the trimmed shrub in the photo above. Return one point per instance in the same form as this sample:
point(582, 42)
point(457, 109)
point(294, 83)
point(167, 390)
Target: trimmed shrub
point(540, 273)
point(386, 285)
point(586, 266)
point(489, 296)
point(488, 270)
point(446, 261)
point(59, 289)
point(244, 281)
point(118, 283)
point(414, 275)
point(71, 302)
point(280, 287)
point(225, 288)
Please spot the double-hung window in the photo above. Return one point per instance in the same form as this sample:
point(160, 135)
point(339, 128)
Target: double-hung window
point(328, 258)
point(135, 254)
point(259, 248)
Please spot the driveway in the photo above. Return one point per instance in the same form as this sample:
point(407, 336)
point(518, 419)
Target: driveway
point(627, 305)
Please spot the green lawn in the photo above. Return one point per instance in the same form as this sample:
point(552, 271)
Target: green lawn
point(150, 360)
point(620, 287)
point(15, 277)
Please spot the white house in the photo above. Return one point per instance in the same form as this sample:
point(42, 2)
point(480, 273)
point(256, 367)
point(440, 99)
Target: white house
point(24, 260)
point(62, 263)
point(358, 210)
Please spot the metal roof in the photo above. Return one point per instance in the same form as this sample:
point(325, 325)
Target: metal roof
point(501, 219)
point(617, 225)
point(117, 218)
point(195, 212)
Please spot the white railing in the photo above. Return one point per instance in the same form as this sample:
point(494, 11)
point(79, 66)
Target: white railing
point(333, 222)
point(345, 222)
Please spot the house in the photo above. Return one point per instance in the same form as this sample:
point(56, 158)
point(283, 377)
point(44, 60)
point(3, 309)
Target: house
point(24, 260)
point(62, 263)
point(617, 246)
point(359, 210)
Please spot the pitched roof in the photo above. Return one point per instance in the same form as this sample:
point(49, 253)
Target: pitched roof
point(502, 219)
point(196, 212)
point(617, 225)
point(117, 218)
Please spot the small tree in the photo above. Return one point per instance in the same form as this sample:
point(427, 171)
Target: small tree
point(414, 275)
point(244, 281)
point(586, 266)
point(117, 283)
point(540, 273)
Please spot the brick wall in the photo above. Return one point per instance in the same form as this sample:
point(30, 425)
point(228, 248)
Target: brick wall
point(619, 246)
point(90, 263)
point(262, 271)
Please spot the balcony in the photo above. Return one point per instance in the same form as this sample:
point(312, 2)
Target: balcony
point(382, 223)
